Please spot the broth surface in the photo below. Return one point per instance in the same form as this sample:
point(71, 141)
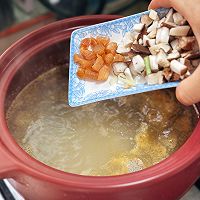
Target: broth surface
point(106, 138)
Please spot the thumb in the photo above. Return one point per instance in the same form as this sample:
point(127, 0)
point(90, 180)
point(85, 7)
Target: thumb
point(188, 91)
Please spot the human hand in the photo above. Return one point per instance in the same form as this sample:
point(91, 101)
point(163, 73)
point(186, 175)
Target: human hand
point(188, 91)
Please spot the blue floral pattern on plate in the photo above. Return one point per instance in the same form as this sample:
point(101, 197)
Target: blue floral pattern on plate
point(84, 92)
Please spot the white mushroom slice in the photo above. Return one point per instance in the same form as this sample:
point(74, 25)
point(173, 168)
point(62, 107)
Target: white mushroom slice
point(175, 45)
point(186, 54)
point(128, 75)
point(162, 35)
point(146, 20)
point(156, 48)
point(140, 80)
point(140, 41)
point(152, 34)
point(179, 19)
point(151, 42)
point(125, 81)
point(165, 47)
point(161, 22)
point(187, 63)
point(128, 39)
point(169, 16)
point(167, 73)
point(173, 55)
point(135, 42)
point(153, 63)
point(122, 49)
point(168, 24)
point(187, 74)
point(160, 77)
point(138, 63)
point(153, 27)
point(132, 68)
point(178, 67)
point(155, 78)
point(182, 60)
point(162, 59)
point(138, 27)
point(135, 35)
point(145, 39)
point(119, 67)
point(179, 31)
point(187, 43)
point(153, 15)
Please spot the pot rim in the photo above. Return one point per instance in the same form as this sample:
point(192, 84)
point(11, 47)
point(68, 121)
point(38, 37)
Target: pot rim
point(181, 159)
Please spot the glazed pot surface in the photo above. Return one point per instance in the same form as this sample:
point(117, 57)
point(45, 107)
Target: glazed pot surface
point(23, 62)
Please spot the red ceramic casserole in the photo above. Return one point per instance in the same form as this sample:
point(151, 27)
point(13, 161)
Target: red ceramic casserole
point(37, 53)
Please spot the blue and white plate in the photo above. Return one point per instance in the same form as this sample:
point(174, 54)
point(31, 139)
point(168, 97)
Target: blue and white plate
point(84, 92)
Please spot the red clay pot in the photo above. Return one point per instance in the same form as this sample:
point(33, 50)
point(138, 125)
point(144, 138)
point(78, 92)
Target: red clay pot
point(37, 53)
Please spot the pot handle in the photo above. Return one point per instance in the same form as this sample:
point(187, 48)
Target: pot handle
point(7, 163)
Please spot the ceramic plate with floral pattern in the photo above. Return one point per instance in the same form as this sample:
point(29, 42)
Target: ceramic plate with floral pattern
point(83, 92)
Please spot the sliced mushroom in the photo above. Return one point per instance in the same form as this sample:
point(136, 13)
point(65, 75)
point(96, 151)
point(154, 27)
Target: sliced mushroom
point(193, 55)
point(137, 48)
point(119, 67)
point(138, 27)
point(146, 20)
point(187, 74)
point(153, 63)
point(175, 45)
point(178, 19)
point(169, 16)
point(178, 67)
point(153, 27)
point(167, 73)
point(162, 35)
point(128, 74)
point(173, 55)
point(162, 59)
point(135, 35)
point(122, 49)
point(128, 39)
point(153, 15)
point(179, 31)
point(135, 42)
point(140, 80)
point(124, 80)
point(168, 24)
point(145, 39)
point(186, 54)
point(156, 48)
point(143, 32)
point(175, 77)
point(155, 78)
point(140, 41)
point(151, 42)
point(187, 63)
point(161, 22)
point(152, 34)
point(187, 43)
point(138, 63)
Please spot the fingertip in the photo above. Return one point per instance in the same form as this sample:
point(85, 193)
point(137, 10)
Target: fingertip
point(159, 4)
point(152, 5)
point(181, 95)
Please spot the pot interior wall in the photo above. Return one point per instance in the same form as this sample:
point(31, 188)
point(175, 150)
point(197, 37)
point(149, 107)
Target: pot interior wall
point(44, 60)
